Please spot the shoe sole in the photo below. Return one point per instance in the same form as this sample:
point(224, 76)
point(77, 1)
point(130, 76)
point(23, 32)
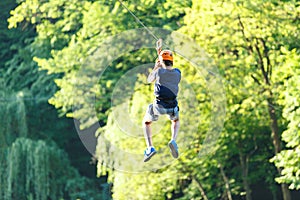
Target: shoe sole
point(174, 153)
point(150, 156)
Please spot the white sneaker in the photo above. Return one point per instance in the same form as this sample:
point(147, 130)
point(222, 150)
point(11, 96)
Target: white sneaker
point(148, 153)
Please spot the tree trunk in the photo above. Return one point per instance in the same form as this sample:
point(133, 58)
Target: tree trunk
point(266, 71)
point(227, 185)
point(245, 169)
point(276, 142)
point(285, 191)
point(274, 126)
point(199, 186)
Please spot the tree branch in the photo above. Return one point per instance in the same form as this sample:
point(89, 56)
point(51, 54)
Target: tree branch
point(250, 49)
point(266, 55)
point(227, 185)
point(261, 63)
point(199, 186)
point(255, 79)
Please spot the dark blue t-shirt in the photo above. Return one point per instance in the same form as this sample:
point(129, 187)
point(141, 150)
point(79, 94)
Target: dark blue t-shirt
point(166, 86)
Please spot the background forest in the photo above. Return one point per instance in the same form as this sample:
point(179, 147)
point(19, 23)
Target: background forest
point(73, 67)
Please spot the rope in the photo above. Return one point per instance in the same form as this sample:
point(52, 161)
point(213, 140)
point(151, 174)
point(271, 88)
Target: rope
point(138, 20)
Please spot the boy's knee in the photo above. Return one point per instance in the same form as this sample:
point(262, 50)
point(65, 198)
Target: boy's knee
point(175, 120)
point(147, 123)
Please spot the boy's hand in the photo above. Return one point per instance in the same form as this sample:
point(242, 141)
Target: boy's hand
point(157, 65)
point(159, 46)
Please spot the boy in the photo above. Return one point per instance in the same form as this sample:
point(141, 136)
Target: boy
point(166, 80)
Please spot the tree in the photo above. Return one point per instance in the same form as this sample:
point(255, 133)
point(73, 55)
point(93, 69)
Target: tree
point(36, 170)
point(245, 38)
point(69, 48)
point(25, 111)
point(289, 158)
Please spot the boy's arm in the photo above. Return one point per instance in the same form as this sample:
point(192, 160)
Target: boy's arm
point(158, 46)
point(152, 75)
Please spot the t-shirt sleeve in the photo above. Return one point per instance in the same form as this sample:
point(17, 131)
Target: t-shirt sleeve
point(178, 72)
point(152, 76)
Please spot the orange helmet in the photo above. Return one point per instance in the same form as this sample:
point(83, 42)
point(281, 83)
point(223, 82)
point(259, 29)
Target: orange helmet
point(166, 55)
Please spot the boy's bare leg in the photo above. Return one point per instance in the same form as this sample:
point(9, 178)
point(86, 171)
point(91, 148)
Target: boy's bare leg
point(148, 133)
point(175, 129)
point(172, 144)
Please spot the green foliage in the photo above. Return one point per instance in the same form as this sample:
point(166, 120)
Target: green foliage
point(6, 6)
point(24, 88)
point(12, 116)
point(25, 112)
point(245, 39)
point(36, 170)
point(91, 24)
point(289, 159)
point(255, 45)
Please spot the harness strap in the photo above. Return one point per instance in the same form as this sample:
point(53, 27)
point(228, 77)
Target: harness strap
point(166, 99)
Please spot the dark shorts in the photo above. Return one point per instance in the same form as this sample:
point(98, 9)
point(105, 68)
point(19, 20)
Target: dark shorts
point(154, 110)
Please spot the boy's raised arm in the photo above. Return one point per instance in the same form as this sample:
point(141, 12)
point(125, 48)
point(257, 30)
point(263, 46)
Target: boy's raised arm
point(152, 75)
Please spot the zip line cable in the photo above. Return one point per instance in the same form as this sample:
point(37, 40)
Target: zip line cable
point(138, 20)
point(151, 33)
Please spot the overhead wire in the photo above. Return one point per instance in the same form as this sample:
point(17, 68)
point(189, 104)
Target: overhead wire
point(138, 20)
